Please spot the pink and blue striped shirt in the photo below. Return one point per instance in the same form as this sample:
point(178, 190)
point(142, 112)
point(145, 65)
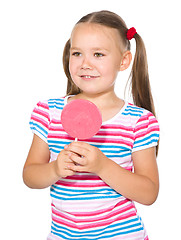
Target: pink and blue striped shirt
point(83, 206)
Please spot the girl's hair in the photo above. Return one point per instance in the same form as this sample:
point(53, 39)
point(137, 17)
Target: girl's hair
point(140, 85)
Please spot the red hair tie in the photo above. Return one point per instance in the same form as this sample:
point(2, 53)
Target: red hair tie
point(130, 33)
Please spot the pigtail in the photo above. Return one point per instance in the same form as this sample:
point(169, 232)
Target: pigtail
point(72, 89)
point(141, 89)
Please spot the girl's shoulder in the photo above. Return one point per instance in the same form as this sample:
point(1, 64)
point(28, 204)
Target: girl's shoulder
point(50, 108)
point(136, 111)
point(52, 102)
point(56, 103)
point(138, 115)
point(145, 127)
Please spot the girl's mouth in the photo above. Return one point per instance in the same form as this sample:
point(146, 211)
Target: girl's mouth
point(88, 77)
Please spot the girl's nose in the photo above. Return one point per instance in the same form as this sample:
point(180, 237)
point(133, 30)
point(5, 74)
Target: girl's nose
point(86, 64)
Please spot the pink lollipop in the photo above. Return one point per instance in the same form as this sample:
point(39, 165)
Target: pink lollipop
point(81, 119)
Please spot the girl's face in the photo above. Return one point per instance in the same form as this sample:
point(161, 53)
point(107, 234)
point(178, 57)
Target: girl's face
point(95, 57)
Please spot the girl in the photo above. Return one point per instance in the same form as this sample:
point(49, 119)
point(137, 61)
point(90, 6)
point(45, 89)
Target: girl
point(92, 196)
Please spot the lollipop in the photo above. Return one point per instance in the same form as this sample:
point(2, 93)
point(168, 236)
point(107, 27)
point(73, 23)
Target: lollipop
point(81, 119)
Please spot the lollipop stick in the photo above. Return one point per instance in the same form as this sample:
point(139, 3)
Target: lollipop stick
point(81, 156)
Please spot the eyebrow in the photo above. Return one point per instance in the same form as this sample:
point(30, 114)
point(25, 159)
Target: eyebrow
point(94, 49)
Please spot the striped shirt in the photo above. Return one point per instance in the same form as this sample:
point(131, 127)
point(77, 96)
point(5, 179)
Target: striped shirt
point(83, 206)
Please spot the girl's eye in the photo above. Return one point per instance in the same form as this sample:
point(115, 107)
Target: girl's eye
point(76, 54)
point(98, 54)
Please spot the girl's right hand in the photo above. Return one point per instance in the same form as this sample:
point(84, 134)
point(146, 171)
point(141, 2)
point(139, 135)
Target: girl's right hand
point(63, 164)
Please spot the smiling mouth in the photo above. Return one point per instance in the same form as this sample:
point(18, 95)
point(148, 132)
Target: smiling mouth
point(88, 77)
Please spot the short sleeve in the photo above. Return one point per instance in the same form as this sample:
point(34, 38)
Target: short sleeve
point(40, 119)
point(146, 132)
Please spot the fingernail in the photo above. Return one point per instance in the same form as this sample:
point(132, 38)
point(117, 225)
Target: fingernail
point(66, 146)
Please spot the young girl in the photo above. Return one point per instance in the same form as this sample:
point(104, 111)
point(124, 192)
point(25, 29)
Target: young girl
point(94, 182)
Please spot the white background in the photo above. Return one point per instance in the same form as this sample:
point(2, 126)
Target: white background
point(32, 38)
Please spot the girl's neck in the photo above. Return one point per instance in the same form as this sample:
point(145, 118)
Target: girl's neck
point(101, 100)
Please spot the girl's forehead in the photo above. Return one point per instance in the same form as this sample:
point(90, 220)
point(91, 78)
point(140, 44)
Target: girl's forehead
point(94, 31)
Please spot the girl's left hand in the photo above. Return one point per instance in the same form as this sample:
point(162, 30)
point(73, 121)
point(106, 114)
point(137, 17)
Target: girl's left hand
point(89, 158)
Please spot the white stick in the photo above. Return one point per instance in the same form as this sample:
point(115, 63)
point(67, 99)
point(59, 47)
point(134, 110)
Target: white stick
point(75, 139)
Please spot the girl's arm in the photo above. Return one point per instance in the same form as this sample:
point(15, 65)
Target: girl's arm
point(38, 172)
point(141, 186)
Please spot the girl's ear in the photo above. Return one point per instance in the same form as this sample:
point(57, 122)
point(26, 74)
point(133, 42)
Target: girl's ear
point(126, 60)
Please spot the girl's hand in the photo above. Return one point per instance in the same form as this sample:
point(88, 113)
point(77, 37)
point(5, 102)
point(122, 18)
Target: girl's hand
point(87, 158)
point(64, 165)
